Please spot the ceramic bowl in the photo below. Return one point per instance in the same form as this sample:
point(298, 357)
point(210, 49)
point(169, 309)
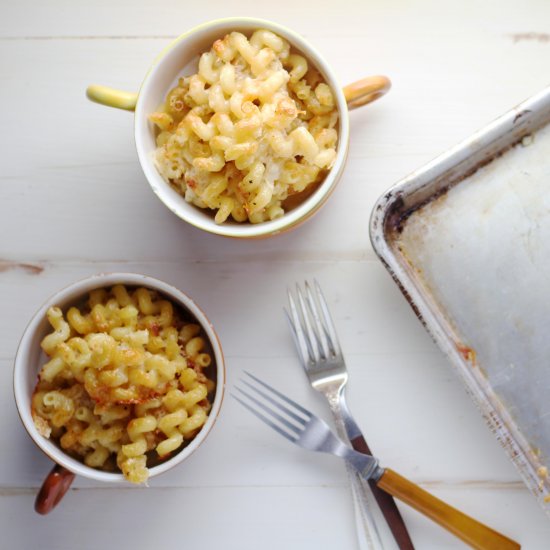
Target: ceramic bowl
point(30, 358)
point(181, 58)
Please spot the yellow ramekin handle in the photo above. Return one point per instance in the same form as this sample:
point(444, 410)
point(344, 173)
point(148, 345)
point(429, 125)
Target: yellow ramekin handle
point(111, 97)
point(366, 90)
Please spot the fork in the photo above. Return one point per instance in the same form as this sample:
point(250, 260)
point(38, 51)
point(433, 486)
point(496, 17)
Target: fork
point(306, 430)
point(321, 356)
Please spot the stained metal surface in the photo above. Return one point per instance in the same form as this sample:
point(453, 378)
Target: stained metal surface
point(467, 239)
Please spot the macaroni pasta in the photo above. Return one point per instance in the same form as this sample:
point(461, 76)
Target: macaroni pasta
point(255, 126)
point(124, 384)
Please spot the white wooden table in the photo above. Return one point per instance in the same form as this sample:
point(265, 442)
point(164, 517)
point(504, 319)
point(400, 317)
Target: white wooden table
point(73, 202)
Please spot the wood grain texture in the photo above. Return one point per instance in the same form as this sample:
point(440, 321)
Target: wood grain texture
point(73, 202)
point(293, 517)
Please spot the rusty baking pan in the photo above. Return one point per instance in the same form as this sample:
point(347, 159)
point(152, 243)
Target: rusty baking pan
point(467, 239)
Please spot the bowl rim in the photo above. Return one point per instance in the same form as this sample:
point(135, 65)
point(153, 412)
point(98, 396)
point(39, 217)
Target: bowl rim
point(22, 373)
point(187, 211)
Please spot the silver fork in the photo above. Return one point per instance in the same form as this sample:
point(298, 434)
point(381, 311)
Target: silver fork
point(303, 428)
point(321, 356)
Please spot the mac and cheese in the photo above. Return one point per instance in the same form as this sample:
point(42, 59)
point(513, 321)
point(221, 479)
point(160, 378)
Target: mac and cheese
point(255, 126)
point(124, 384)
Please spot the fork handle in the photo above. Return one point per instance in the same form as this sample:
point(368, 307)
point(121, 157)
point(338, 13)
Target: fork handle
point(387, 505)
point(469, 530)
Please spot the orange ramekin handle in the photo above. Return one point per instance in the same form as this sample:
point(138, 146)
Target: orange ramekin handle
point(366, 90)
point(469, 530)
point(53, 489)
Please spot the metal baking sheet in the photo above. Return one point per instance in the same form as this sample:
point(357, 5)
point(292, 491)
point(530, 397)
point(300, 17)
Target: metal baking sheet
point(467, 239)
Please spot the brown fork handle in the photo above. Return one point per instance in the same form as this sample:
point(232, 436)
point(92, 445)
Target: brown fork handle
point(53, 489)
point(387, 504)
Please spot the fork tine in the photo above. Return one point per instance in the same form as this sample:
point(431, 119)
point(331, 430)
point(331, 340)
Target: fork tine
point(331, 330)
point(263, 418)
point(281, 407)
point(321, 331)
point(311, 337)
point(286, 399)
point(297, 331)
point(292, 427)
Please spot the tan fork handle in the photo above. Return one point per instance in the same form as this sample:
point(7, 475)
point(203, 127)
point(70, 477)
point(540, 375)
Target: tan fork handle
point(53, 489)
point(469, 530)
point(366, 90)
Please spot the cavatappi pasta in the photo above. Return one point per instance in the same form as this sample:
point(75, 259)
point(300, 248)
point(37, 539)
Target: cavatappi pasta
point(124, 385)
point(255, 126)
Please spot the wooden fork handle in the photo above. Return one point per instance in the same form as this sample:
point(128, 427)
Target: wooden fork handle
point(387, 505)
point(464, 527)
